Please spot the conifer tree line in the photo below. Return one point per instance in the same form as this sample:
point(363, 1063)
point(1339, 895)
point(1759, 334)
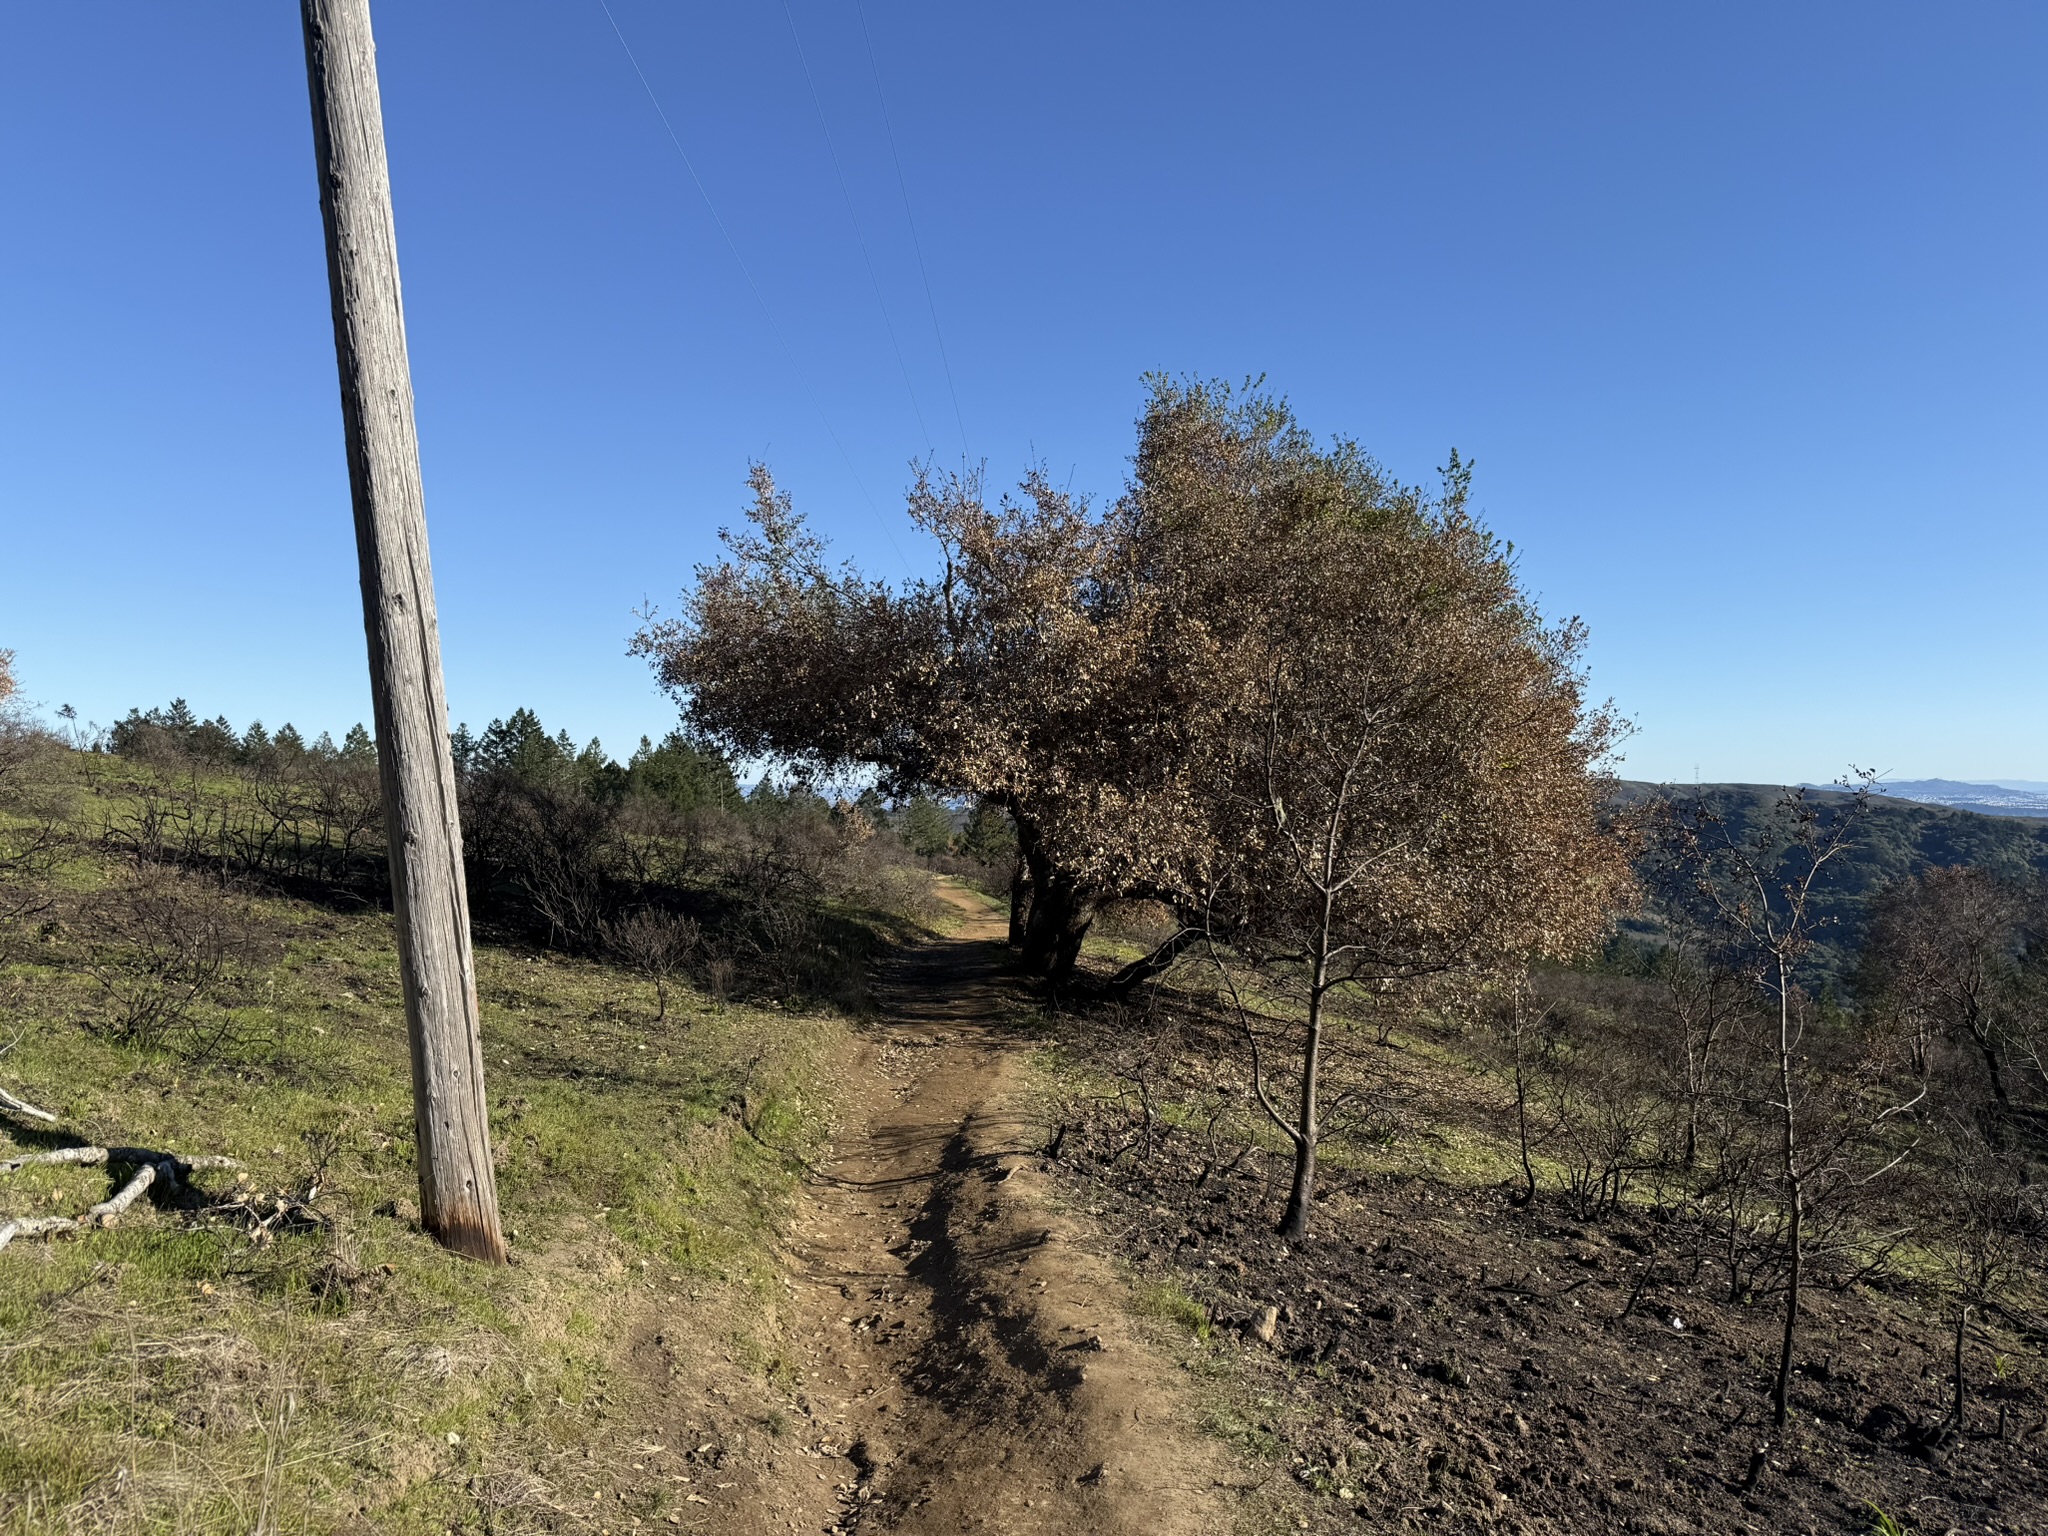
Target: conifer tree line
point(665, 861)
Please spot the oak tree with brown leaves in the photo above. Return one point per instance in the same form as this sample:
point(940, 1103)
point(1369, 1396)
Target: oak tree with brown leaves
point(1416, 788)
point(1306, 705)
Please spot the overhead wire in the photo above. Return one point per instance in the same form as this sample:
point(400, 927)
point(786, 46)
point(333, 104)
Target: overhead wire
point(910, 218)
point(732, 246)
point(860, 236)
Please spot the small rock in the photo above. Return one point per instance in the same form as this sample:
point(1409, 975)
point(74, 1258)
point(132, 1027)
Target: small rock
point(1267, 1325)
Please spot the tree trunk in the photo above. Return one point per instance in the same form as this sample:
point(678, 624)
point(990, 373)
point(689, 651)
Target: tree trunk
point(1695, 1089)
point(1522, 1113)
point(458, 1189)
point(1957, 1409)
point(1060, 915)
point(1138, 972)
point(1993, 1066)
point(1020, 902)
point(1073, 932)
point(1781, 1393)
point(1294, 1221)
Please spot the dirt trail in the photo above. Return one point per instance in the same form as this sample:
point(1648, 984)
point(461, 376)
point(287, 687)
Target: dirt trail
point(967, 1364)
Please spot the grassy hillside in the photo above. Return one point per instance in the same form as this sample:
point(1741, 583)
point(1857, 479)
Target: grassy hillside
point(280, 1347)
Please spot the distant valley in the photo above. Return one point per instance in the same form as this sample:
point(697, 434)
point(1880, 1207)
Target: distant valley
point(2012, 797)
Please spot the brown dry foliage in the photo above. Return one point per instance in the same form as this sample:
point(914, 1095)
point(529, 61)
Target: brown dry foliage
point(1109, 679)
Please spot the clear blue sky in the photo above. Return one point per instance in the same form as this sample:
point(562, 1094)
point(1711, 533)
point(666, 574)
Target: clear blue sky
point(1739, 309)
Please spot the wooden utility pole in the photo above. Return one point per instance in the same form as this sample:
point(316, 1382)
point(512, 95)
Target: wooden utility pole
point(458, 1190)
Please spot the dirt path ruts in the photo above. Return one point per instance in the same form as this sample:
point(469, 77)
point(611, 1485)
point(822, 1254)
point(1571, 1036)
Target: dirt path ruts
point(967, 1364)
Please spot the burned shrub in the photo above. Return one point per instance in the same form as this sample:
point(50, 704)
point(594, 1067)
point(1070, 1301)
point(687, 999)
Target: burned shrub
point(174, 955)
point(658, 945)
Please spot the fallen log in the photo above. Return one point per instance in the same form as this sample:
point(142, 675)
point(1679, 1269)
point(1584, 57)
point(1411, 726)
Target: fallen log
point(92, 1157)
point(150, 1167)
point(108, 1211)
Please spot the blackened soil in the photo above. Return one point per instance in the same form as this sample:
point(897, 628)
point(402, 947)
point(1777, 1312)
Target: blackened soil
point(1446, 1361)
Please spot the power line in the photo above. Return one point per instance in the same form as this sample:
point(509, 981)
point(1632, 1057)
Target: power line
point(916, 244)
point(846, 192)
point(789, 355)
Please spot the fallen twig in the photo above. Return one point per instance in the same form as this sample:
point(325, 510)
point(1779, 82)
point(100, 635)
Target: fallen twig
point(285, 1210)
point(1642, 1284)
point(92, 1157)
point(150, 1167)
point(34, 1226)
point(1523, 1290)
point(23, 1107)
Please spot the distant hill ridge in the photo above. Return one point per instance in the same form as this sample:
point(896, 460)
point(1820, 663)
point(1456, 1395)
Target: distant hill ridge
point(1901, 837)
point(2011, 799)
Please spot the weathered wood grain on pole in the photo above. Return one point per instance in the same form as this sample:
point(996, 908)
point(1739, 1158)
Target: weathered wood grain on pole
point(458, 1191)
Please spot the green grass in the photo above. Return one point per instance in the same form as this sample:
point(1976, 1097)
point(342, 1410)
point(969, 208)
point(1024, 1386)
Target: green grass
point(1168, 1301)
point(165, 1376)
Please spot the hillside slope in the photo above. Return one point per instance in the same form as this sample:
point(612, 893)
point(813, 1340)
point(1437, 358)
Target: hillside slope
point(1897, 839)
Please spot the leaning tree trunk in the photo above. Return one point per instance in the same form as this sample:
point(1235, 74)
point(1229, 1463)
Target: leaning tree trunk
point(1157, 963)
point(1061, 911)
